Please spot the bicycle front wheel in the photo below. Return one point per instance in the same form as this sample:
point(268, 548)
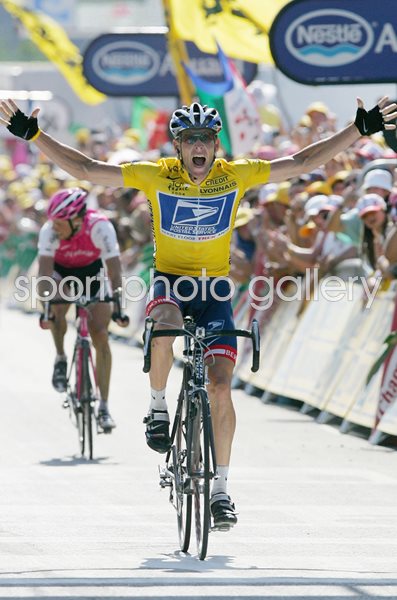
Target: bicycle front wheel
point(179, 458)
point(77, 399)
point(201, 472)
point(78, 411)
point(87, 404)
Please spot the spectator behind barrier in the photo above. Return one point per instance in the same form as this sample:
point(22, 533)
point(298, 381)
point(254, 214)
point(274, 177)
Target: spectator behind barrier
point(243, 246)
point(378, 181)
point(329, 247)
point(372, 210)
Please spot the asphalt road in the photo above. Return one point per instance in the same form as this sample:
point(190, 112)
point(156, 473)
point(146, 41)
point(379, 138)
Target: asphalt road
point(318, 509)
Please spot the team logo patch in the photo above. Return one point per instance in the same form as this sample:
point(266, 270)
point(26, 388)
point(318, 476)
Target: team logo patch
point(195, 219)
point(216, 325)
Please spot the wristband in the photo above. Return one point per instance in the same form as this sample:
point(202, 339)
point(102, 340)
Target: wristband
point(23, 126)
point(369, 122)
point(36, 135)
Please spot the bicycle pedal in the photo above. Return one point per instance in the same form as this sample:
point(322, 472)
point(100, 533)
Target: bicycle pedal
point(106, 431)
point(165, 480)
point(222, 526)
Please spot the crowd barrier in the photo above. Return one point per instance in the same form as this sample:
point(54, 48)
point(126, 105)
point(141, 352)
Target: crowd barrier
point(322, 356)
point(319, 356)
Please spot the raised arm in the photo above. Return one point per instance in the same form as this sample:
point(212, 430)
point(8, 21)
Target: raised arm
point(317, 154)
point(70, 160)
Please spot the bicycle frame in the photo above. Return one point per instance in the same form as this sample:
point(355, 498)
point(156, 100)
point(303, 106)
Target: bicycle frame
point(82, 345)
point(194, 353)
point(82, 385)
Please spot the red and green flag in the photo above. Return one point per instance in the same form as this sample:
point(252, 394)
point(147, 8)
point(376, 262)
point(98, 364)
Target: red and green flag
point(241, 121)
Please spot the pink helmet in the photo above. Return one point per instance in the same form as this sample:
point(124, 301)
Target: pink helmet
point(66, 204)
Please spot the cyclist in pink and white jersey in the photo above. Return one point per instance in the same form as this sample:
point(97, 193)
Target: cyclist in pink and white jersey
point(80, 245)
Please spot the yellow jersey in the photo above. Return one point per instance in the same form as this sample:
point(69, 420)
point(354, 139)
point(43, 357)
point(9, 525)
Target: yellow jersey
point(193, 224)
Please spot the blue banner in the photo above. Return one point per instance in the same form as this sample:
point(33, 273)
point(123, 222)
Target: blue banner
point(138, 64)
point(319, 42)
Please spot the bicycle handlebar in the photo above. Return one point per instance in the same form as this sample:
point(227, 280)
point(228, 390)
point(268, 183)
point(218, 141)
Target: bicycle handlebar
point(150, 333)
point(83, 302)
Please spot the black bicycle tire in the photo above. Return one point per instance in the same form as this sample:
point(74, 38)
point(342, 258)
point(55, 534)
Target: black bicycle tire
point(88, 418)
point(78, 405)
point(80, 429)
point(183, 499)
point(88, 411)
point(201, 486)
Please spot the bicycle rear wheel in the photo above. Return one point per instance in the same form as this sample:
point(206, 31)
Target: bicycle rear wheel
point(201, 472)
point(179, 457)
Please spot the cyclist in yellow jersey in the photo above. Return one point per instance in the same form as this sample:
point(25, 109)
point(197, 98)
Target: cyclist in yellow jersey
point(185, 213)
point(194, 199)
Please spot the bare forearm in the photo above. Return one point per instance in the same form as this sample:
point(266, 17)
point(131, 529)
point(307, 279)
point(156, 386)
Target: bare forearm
point(313, 156)
point(321, 152)
point(78, 164)
point(113, 266)
point(69, 159)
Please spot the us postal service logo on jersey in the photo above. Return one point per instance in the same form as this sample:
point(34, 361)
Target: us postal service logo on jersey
point(195, 219)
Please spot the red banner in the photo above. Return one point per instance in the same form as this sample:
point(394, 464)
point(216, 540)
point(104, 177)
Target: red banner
point(388, 388)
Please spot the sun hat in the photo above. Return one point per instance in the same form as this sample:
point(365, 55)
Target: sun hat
point(370, 203)
point(370, 151)
point(381, 178)
point(306, 229)
point(316, 204)
point(319, 187)
point(265, 191)
point(244, 215)
point(281, 194)
point(339, 176)
point(317, 107)
point(266, 152)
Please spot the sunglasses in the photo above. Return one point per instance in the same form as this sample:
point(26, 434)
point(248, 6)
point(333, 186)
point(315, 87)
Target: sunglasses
point(192, 138)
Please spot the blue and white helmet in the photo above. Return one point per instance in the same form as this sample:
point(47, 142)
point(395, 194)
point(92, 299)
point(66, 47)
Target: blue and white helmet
point(195, 116)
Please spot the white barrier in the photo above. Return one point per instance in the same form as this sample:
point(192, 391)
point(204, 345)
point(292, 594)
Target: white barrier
point(304, 371)
point(361, 409)
point(349, 397)
point(275, 337)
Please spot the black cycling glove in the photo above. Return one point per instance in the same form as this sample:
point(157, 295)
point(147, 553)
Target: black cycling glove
point(23, 126)
point(369, 122)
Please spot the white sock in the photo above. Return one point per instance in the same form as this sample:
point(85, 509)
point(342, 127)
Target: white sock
point(60, 357)
point(157, 400)
point(220, 484)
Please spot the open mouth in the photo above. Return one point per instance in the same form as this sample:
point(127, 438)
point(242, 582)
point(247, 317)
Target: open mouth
point(199, 161)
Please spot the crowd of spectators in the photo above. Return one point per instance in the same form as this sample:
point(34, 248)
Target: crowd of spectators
point(341, 218)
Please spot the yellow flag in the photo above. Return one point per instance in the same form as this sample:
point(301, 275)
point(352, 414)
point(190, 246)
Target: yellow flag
point(240, 26)
point(53, 42)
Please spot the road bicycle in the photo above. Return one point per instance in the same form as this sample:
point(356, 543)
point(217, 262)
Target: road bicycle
point(190, 464)
point(82, 392)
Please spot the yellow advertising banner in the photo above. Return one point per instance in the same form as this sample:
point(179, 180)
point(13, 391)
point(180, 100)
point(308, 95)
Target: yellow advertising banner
point(53, 42)
point(240, 27)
